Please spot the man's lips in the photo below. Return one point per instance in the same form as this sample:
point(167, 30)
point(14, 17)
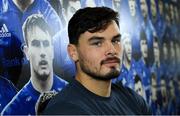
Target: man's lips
point(113, 60)
point(43, 64)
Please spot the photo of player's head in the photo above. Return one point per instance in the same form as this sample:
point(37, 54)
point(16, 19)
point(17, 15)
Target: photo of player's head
point(132, 7)
point(38, 48)
point(172, 13)
point(144, 9)
point(177, 51)
point(153, 87)
point(144, 46)
point(172, 50)
point(70, 7)
point(127, 45)
point(165, 50)
point(117, 5)
point(164, 93)
point(161, 7)
point(176, 13)
point(153, 10)
point(138, 86)
point(156, 50)
point(167, 13)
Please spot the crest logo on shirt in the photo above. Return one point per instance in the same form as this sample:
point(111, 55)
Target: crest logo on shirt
point(4, 32)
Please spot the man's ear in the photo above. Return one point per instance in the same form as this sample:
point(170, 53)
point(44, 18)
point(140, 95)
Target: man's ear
point(25, 50)
point(72, 51)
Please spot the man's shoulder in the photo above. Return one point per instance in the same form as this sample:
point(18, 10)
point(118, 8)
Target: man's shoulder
point(132, 99)
point(122, 90)
point(64, 94)
point(65, 102)
point(65, 108)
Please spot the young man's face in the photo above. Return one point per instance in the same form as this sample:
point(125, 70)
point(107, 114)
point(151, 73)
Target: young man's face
point(172, 11)
point(172, 50)
point(73, 6)
point(153, 8)
point(132, 7)
point(163, 91)
point(165, 51)
point(117, 4)
point(144, 48)
point(160, 4)
point(40, 52)
point(127, 48)
point(176, 13)
point(99, 54)
point(153, 89)
point(144, 9)
point(139, 88)
point(177, 51)
point(172, 91)
point(156, 51)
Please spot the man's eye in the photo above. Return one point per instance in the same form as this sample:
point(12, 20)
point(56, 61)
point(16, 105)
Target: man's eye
point(116, 41)
point(45, 43)
point(35, 43)
point(97, 43)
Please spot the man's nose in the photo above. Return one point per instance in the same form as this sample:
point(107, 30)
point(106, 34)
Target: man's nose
point(42, 52)
point(42, 55)
point(111, 50)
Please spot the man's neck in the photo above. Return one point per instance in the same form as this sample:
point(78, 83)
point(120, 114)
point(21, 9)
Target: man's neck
point(23, 4)
point(42, 86)
point(98, 87)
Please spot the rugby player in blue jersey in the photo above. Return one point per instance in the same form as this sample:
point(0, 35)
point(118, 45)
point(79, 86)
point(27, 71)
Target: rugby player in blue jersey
point(39, 51)
point(14, 13)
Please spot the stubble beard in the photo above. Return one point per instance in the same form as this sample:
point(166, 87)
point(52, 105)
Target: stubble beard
point(113, 73)
point(41, 77)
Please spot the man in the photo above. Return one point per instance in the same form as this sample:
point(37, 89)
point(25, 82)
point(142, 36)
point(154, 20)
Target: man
point(164, 96)
point(126, 40)
point(153, 12)
point(96, 49)
point(144, 9)
point(39, 51)
point(7, 92)
point(14, 13)
point(165, 60)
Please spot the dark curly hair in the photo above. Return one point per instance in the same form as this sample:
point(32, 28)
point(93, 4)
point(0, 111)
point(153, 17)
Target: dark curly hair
point(90, 19)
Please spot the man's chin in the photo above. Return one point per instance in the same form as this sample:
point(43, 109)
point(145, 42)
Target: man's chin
point(113, 73)
point(43, 76)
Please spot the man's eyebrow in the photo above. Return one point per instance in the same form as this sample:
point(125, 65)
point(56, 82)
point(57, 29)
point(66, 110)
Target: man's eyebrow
point(117, 36)
point(95, 38)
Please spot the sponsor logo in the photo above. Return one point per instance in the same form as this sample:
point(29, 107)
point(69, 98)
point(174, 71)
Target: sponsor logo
point(4, 32)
